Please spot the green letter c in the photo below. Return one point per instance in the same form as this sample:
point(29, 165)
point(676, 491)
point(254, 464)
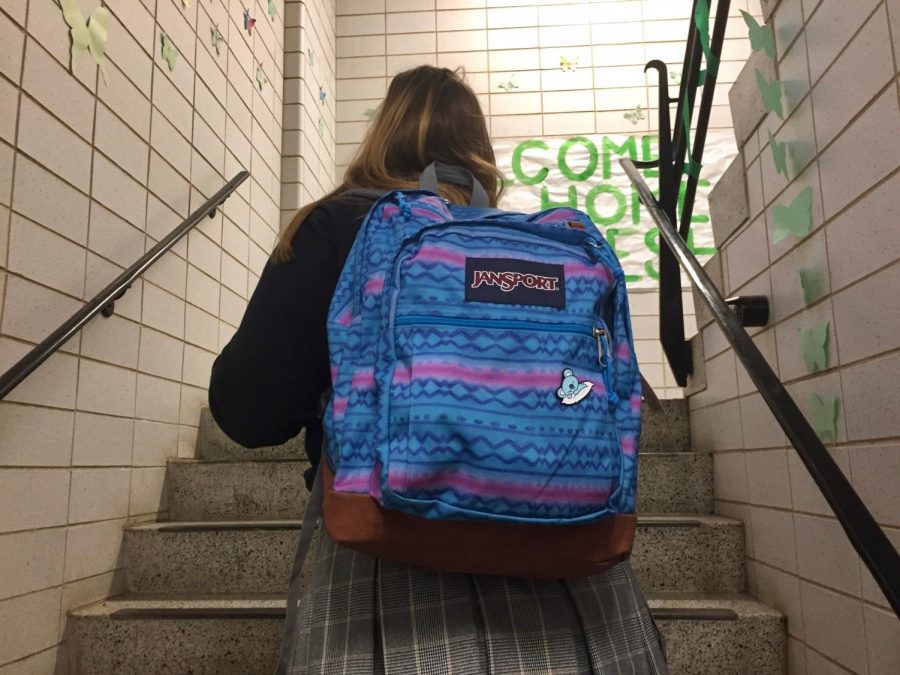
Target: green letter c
point(520, 175)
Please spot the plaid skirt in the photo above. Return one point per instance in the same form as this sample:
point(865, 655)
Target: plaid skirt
point(362, 615)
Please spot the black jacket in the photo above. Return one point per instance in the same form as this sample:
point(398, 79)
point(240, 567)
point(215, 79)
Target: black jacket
point(266, 384)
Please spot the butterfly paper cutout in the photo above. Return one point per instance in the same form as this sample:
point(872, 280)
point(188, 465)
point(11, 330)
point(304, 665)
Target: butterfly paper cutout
point(824, 414)
point(509, 85)
point(88, 34)
point(369, 113)
point(675, 76)
point(321, 127)
point(168, 51)
point(812, 284)
point(771, 94)
point(779, 155)
point(761, 37)
point(273, 10)
point(248, 22)
point(322, 95)
point(795, 219)
point(261, 78)
point(312, 57)
point(215, 37)
point(635, 116)
point(568, 64)
point(814, 345)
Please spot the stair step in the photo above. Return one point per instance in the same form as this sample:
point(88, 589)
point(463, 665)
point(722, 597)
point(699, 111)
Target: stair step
point(206, 634)
point(212, 443)
point(679, 482)
point(666, 431)
point(684, 553)
point(693, 554)
point(675, 482)
point(735, 632)
point(236, 489)
point(177, 635)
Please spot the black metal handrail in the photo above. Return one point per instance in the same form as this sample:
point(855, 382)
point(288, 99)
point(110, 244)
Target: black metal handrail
point(675, 153)
point(104, 301)
point(869, 540)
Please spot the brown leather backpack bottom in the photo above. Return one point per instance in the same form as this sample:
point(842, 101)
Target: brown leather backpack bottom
point(507, 549)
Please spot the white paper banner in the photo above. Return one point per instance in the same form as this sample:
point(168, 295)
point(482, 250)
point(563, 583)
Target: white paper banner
point(584, 172)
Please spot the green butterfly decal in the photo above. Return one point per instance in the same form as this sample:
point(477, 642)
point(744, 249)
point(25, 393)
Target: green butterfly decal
point(215, 37)
point(369, 113)
point(168, 51)
point(273, 10)
point(675, 76)
point(261, 78)
point(635, 116)
point(795, 219)
point(779, 155)
point(761, 37)
point(813, 285)
point(88, 34)
point(312, 57)
point(321, 127)
point(568, 64)
point(824, 416)
point(509, 85)
point(814, 345)
point(771, 94)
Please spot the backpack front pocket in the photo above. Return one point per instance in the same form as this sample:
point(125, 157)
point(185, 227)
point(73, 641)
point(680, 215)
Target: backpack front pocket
point(500, 420)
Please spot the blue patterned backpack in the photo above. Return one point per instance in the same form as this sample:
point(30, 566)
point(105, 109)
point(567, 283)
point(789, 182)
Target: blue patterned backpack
point(486, 398)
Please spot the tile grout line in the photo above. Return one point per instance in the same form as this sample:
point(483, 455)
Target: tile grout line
point(15, 152)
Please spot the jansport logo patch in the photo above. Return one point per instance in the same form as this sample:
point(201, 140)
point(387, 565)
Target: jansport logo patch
point(508, 281)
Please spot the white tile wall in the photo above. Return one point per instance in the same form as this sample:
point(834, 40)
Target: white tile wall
point(91, 175)
point(840, 67)
point(312, 36)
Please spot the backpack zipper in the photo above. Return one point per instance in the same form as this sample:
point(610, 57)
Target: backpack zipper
point(598, 332)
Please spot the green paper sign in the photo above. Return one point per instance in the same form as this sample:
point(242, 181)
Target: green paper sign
point(795, 219)
point(88, 34)
point(814, 344)
point(824, 416)
point(771, 94)
point(261, 78)
point(761, 37)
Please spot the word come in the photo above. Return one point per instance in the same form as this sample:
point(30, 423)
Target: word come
point(583, 173)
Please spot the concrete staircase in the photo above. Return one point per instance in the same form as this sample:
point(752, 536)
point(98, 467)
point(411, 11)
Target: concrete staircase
point(205, 591)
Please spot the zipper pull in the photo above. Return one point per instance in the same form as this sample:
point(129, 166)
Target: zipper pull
point(592, 247)
point(603, 356)
point(602, 343)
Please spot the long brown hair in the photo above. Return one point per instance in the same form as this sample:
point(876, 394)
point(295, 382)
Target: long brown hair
point(429, 114)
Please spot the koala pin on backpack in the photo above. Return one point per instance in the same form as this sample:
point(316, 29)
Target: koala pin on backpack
point(486, 404)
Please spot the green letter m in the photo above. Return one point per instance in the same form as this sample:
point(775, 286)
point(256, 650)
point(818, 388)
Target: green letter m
point(629, 146)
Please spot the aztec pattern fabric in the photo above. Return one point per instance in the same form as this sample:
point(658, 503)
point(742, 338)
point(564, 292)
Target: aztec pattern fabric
point(483, 366)
point(362, 615)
